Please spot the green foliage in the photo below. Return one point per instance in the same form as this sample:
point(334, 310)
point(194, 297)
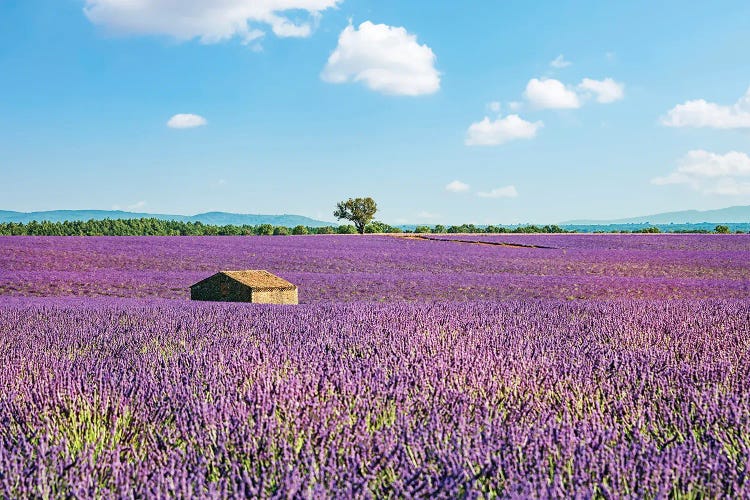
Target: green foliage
point(380, 227)
point(360, 211)
point(464, 228)
point(158, 227)
point(548, 229)
point(138, 227)
point(264, 230)
point(471, 228)
point(648, 230)
point(84, 425)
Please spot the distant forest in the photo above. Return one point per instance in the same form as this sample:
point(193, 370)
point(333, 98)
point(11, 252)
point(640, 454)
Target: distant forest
point(158, 227)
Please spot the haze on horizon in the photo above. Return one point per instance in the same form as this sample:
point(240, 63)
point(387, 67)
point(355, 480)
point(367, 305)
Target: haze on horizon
point(499, 113)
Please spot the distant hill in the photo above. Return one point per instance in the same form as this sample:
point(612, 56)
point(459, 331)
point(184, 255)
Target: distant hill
point(213, 218)
point(739, 214)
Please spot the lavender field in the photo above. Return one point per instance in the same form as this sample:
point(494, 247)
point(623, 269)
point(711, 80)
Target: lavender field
point(549, 366)
point(333, 269)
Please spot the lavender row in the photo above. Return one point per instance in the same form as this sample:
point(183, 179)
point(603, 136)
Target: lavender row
point(384, 268)
point(133, 398)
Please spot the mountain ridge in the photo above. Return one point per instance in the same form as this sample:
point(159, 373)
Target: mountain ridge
point(734, 214)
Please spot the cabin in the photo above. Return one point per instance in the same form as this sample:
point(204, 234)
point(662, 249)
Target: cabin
point(254, 286)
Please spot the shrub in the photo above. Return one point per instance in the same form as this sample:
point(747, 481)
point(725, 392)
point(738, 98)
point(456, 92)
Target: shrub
point(300, 230)
point(380, 227)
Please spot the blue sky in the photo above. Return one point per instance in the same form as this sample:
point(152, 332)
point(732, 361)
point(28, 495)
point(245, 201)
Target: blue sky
point(444, 112)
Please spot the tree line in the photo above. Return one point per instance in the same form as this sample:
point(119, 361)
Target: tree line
point(159, 227)
point(156, 227)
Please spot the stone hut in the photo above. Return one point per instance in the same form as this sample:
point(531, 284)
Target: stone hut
point(255, 286)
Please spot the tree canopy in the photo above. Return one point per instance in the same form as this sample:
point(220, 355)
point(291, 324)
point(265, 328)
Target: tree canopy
point(359, 211)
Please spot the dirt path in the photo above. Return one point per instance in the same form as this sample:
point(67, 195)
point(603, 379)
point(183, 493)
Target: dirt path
point(470, 242)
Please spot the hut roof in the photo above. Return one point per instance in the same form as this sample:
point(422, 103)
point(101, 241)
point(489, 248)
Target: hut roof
point(259, 279)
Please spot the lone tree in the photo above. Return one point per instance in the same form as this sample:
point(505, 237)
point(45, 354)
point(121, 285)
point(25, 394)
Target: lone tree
point(358, 210)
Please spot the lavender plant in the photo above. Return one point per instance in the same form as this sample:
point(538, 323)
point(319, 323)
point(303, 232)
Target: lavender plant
point(334, 269)
point(396, 377)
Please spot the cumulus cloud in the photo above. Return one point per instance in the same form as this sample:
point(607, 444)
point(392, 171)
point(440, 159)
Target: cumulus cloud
point(211, 21)
point(457, 187)
point(701, 113)
point(494, 106)
point(501, 192)
point(386, 59)
point(548, 93)
point(711, 173)
point(500, 131)
point(559, 62)
point(186, 120)
point(606, 90)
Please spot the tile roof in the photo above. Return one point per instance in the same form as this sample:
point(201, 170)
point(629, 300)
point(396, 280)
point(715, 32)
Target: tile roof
point(259, 279)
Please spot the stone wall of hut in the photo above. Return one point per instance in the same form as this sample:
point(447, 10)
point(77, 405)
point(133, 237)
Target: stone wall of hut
point(275, 296)
point(221, 288)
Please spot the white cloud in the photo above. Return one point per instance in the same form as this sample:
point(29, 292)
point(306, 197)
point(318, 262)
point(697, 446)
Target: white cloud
point(386, 59)
point(711, 173)
point(606, 90)
point(502, 130)
point(515, 105)
point(701, 113)
point(186, 120)
point(210, 20)
point(549, 93)
point(559, 62)
point(494, 106)
point(502, 192)
point(457, 187)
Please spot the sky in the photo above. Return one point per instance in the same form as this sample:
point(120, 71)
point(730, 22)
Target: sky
point(485, 112)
